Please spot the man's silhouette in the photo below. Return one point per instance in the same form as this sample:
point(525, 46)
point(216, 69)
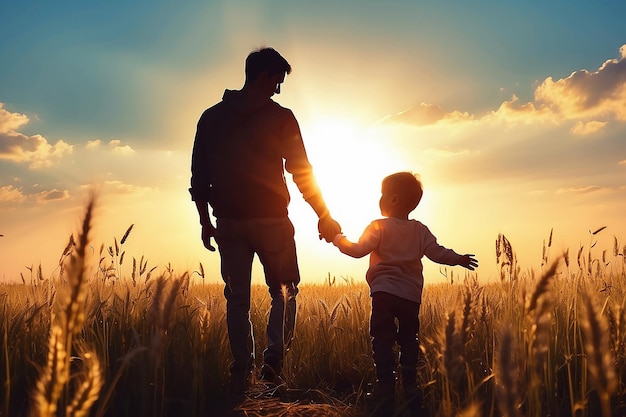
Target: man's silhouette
point(242, 146)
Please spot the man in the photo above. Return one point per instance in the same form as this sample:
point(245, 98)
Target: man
point(242, 147)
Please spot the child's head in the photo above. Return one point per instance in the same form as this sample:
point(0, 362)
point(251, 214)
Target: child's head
point(401, 193)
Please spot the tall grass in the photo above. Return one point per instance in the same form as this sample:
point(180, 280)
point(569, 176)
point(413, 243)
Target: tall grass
point(104, 337)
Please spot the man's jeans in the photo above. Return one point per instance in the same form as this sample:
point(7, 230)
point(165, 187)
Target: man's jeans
point(272, 239)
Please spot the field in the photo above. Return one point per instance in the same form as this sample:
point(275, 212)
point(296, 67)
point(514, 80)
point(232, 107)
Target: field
point(88, 342)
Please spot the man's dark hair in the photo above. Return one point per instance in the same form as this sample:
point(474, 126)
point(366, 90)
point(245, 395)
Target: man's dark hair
point(265, 60)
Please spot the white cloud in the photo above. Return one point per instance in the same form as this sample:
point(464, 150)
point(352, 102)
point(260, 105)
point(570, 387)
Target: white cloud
point(10, 194)
point(52, 195)
point(10, 122)
point(513, 112)
point(119, 187)
point(120, 149)
point(586, 128)
point(93, 144)
point(34, 150)
point(579, 190)
point(124, 150)
point(592, 99)
point(13, 195)
point(447, 152)
point(426, 114)
point(585, 94)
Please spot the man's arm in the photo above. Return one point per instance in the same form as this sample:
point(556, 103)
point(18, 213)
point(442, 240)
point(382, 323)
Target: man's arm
point(468, 261)
point(298, 165)
point(200, 183)
point(208, 230)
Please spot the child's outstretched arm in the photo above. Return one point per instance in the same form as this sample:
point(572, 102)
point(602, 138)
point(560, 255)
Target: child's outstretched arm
point(468, 261)
point(359, 249)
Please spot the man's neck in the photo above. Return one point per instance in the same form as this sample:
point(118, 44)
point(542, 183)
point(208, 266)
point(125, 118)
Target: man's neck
point(253, 95)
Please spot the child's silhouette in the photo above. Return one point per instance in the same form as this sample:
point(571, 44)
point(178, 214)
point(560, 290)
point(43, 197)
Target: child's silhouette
point(396, 246)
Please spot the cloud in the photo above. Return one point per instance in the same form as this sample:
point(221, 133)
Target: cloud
point(34, 150)
point(584, 94)
point(119, 187)
point(426, 114)
point(116, 144)
point(10, 194)
point(515, 111)
point(447, 152)
point(622, 162)
point(579, 190)
point(592, 99)
point(10, 122)
point(587, 128)
point(52, 195)
point(93, 144)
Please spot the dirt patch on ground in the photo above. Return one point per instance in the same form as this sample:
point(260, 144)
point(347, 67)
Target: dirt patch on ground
point(271, 401)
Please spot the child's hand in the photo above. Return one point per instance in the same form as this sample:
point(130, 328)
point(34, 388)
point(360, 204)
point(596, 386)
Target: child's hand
point(469, 262)
point(328, 228)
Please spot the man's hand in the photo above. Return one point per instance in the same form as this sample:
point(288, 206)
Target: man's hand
point(208, 231)
point(469, 262)
point(328, 228)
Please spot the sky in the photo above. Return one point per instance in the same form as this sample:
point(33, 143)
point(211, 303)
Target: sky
point(512, 113)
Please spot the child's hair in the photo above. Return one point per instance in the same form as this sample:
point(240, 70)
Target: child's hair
point(407, 186)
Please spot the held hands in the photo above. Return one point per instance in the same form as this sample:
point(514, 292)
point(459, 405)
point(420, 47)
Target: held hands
point(328, 228)
point(208, 232)
point(469, 262)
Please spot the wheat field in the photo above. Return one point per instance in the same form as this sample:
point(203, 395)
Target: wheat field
point(91, 341)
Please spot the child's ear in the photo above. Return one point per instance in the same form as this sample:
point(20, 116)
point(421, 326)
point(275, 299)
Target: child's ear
point(395, 199)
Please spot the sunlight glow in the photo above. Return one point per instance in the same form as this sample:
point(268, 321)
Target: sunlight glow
point(349, 166)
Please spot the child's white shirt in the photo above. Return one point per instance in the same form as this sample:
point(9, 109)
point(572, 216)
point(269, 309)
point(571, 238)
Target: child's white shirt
point(396, 248)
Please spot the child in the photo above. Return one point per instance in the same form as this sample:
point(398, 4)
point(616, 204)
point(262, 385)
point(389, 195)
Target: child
point(396, 246)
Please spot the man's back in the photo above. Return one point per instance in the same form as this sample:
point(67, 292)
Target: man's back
point(239, 151)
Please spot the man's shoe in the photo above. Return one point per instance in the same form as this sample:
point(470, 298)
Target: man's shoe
point(382, 401)
point(414, 401)
point(239, 382)
point(269, 374)
point(274, 385)
point(240, 378)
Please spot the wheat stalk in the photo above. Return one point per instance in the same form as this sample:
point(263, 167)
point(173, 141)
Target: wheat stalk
point(88, 389)
point(64, 326)
point(453, 363)
point(600, 362)
point(53, 377)
point(507, 377)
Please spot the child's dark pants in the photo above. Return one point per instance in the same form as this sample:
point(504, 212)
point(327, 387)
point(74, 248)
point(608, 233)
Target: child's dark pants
point(385, 332)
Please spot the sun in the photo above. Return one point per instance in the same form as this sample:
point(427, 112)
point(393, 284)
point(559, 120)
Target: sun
point(349, 163)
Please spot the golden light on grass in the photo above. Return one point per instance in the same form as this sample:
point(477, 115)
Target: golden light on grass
point(538, 344)
point(53, 388)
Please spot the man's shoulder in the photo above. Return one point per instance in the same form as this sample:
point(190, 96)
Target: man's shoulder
point(215, 107)
point(214, 112)
point(277, 107)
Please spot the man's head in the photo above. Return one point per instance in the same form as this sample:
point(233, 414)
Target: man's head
point(266, 68)
point(401, 193)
